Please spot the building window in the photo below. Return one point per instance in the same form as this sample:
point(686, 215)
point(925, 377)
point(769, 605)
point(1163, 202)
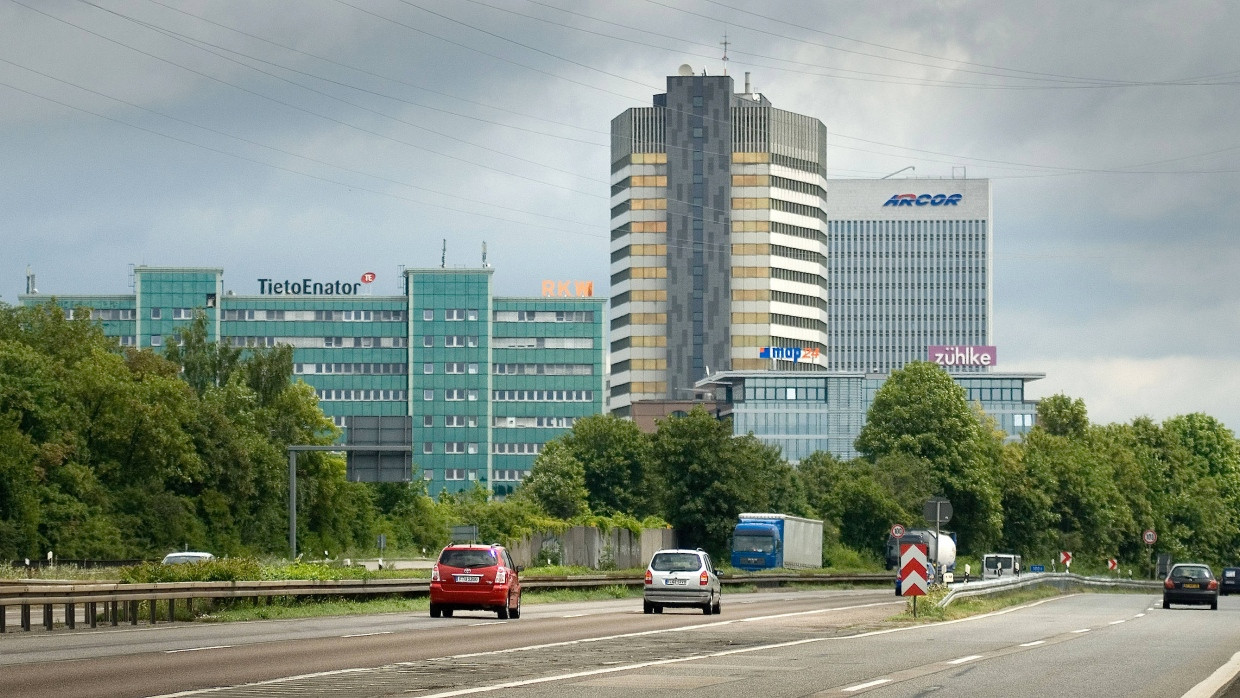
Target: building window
point(428, 341)
point(471, 341)
point(427, 447)
point(428, 421)
point(428, 474)
point(428, 395)
point(155, 314)
point(181, 314)
point(428, 314)
point(471, 448)
point(428, 368)
point(697, 132)
point(471, 314)
point(473, 368)
point(471, 395)
point(157, 340)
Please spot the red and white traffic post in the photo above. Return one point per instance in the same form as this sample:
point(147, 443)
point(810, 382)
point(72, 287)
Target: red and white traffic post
point(913, 571)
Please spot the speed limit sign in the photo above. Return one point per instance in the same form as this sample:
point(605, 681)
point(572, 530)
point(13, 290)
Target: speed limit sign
point(1150, 537)
point(897, 531)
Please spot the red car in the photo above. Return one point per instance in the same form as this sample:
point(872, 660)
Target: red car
point(475, 578)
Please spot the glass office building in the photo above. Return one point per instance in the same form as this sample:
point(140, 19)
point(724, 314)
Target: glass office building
point(486, 381)
point(802, 413)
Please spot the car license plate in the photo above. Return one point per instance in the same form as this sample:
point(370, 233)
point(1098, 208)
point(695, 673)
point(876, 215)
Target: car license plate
point(675, 582)
point(1192, 586)
point(468, 578)
point(1229, 573)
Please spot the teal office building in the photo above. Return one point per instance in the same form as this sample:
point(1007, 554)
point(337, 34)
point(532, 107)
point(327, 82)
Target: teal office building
point(486, 381)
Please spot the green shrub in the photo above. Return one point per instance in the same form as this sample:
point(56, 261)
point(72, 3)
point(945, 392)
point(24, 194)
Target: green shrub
point(220, 570)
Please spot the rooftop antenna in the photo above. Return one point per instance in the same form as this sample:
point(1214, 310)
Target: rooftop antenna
point(484, 255)
point(910, 167)
point(725, 44)
point(685, 70)
point(443, 256)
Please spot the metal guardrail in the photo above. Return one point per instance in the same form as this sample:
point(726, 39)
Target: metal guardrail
point(1062, 580)
point(121, 601)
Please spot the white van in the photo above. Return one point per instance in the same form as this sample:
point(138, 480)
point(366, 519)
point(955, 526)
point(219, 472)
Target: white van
point(999, 565)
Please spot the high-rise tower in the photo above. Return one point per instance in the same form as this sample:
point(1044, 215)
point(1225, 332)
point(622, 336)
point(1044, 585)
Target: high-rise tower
point(719, 245)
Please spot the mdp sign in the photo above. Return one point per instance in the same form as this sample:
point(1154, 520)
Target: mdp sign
point(913, 569)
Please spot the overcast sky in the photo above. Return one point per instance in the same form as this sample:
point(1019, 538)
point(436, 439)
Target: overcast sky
point(327, 138)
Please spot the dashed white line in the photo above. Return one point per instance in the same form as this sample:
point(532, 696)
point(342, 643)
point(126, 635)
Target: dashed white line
point(1139, 615)
point(493, 622)
point(575, 615)
point(1082, 630)
point(1117, 622)
point(199, 649)
point(962, 660)
point(385, 632)
point(1035, 643)
point(867, 684)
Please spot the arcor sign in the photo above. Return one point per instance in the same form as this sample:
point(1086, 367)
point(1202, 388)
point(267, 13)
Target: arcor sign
point(964, 355)
point(570, 289)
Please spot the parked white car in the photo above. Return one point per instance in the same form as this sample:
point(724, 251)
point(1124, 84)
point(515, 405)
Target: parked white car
point(681, 578)
point(182, 558)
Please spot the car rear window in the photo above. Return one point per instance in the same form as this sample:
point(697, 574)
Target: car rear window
point(468, 558)
point(676, 562)
point(1192, 572)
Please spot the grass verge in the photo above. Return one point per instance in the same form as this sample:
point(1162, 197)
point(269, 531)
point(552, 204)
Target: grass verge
point(929, 612)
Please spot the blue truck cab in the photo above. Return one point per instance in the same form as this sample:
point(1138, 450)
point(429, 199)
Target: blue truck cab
point(757, 545)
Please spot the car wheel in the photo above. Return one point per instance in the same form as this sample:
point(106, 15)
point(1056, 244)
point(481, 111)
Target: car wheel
point(658, 609)
point(647, 607)
point(1166, 604)
point(515, 612)
point(706, 608)
point(447, 613)
point(1214, 606)
point(718, 607)
point(436, 611)
point(502, 611)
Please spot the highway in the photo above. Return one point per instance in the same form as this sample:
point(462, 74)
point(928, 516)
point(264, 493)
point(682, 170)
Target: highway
point(784, 643)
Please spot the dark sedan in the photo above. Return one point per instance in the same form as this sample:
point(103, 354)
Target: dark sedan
point(1191, 584)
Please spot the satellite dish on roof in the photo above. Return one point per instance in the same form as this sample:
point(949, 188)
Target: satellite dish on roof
point(685, 69)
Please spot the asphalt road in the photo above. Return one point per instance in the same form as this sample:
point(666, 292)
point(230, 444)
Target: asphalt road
point(776, 644)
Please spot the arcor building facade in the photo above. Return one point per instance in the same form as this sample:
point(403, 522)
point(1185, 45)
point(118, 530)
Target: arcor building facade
point(719, 244)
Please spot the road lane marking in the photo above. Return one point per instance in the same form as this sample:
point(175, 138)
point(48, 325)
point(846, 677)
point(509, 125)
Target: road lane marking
point(1117, 622)
point(1082, 630)
point(868, 684)
point(575, 615)
point(1217, 681)
point(385, 632)
point(962, 660)
point(1139, 615)
point(199, 649)
point(492, 622)
point(1035, 643)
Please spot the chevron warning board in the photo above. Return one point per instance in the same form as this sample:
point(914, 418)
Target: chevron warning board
point(913, 569)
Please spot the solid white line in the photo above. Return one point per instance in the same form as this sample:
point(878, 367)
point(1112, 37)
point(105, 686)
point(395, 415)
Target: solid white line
point(1035, 643)
point(1082, 630)
point(1117, 622)
point(1216, 681)
point(962, 660)
point(198, 649)
point(868, 684)
point(385, 632)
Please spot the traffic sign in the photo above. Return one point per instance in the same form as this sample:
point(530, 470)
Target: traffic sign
point(897, 531)
point(1037, 568)
point(913, 569)
point(1065, 558)
point(1112, 564)
point(1150, 537)
point(937, 510)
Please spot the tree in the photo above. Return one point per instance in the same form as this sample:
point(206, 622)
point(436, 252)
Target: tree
point(557, 482)
point(704, 483)
point(1062, 416)
point(204, 363)
point(615, 455)
point(921, 412)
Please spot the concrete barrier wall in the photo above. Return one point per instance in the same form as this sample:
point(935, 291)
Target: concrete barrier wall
point(592, 548)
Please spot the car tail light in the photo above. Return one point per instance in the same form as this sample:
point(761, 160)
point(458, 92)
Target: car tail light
point(1212, 585)
point(435, 573)
point(704, 579)
point(1168, 584)
point(501, 575)
point(649, 577)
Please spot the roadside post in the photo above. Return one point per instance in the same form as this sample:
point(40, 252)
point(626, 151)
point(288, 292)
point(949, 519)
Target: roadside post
point(1150, 537)
point(913, 571)
point(1065, 558)
point(939, 511)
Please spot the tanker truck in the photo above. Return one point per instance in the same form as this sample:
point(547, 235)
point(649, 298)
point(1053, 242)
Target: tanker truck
point(940, 550)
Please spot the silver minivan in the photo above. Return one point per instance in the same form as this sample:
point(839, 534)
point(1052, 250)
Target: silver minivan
point(681, 578)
